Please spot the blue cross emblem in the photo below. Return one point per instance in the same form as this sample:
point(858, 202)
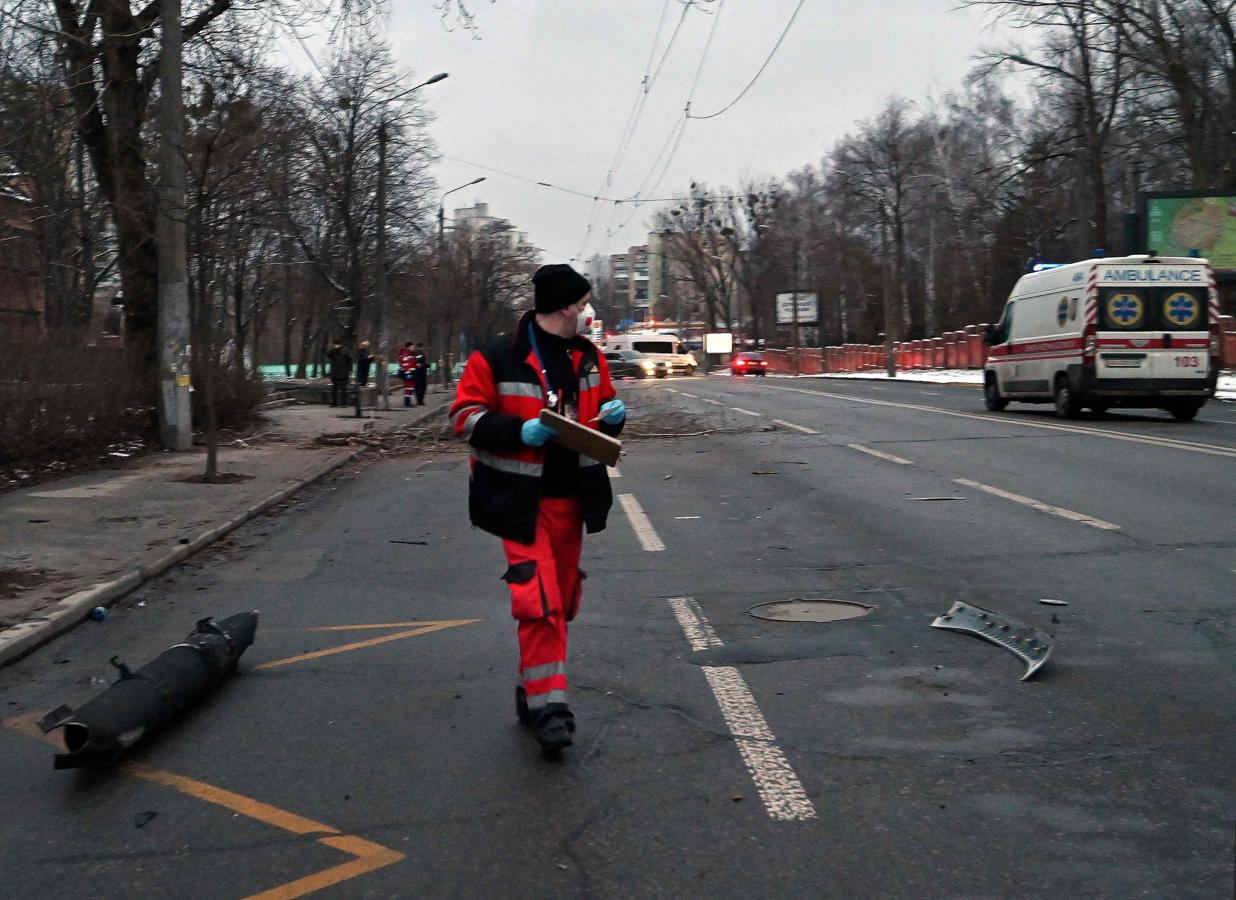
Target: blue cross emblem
point(1125, 310)
point(1182, 309)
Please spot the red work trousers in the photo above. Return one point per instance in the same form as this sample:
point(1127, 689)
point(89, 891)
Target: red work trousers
point(546, 584)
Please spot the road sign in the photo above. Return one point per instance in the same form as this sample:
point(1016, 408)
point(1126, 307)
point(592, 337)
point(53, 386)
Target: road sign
point(798, 307)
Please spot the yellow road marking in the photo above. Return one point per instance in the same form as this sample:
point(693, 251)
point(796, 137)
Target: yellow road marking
point(425, 628)
point(369, 856)
point(392, 625)
point(254, 809)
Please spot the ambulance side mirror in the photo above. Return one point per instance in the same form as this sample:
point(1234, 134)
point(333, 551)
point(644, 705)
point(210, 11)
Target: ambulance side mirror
point(992, 335)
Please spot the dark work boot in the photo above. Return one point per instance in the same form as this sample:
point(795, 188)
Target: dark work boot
point(553, 727)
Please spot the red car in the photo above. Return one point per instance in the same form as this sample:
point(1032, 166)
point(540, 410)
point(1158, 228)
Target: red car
point(749, 364)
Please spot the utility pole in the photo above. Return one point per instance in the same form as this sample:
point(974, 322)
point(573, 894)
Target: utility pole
point(175, 412)
point(379, 280)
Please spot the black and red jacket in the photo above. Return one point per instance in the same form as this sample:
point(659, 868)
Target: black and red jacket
point(500, 389)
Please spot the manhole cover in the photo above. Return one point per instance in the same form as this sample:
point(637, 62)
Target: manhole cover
point(809, 610)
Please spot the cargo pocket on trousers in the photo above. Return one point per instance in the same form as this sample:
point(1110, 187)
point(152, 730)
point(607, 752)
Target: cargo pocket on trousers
point(528, 600)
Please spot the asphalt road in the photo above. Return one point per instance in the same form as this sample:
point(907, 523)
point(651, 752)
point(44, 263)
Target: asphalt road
point(719, 754)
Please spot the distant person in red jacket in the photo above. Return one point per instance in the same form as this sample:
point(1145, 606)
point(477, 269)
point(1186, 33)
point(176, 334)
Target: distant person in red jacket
point(407, 371)
point(534, 493)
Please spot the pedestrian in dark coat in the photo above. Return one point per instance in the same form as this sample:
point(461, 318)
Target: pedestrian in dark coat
point(340, 371)
point(420, 375)
point(364, 361)
point(536, 494)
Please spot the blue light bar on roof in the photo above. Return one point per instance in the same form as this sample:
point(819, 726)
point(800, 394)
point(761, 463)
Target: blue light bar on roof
point(1043, 267)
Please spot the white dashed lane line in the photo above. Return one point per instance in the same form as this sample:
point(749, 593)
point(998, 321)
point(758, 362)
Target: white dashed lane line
point(1040, 505)
point(614, 473)
point(692, 396)
point(801, 428)
point(647, 535)
point(881, 454)
point(714, 402)
point(746, 412)
point(671, 390)
point(775, 780)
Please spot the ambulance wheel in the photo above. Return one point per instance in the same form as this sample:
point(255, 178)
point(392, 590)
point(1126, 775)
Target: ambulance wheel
point(1184, 411)
point(992, 396)
point(1067, 406)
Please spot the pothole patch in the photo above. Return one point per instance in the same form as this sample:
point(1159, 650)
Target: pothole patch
point(809, 610)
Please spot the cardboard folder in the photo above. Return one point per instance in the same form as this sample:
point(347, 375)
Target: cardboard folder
point(582, 439)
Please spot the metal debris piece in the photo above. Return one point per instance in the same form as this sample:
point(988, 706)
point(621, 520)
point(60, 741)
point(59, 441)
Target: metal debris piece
point(141, 702)
point(930, 499)
point(414, 543)
point(1047, 601)
point(1030, 645)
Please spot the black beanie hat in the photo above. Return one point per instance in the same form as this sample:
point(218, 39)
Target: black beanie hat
point(556, 286)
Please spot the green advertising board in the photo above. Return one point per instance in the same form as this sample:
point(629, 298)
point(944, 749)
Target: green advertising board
point(1175, 225)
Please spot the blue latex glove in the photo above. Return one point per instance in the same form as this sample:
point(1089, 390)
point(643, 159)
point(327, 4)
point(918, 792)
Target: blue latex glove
point(613, 412)
point(534, 434)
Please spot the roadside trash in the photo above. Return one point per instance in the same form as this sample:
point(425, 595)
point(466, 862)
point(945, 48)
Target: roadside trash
point(141, 702)
point(764, 472)
point(143, 818)
point(141, 604)
point(1047, 601)
point(417, 543)
point(1030, 645)
point(931, 499)
point(99, 613)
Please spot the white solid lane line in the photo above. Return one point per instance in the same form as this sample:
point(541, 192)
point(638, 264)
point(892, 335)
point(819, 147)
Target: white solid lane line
point(1040, 505)
point(746, 412)
point(881, 454)
point(647, 535)
point(692, 396)
point(778, 786)
point(714, 402)
point(801, 428)
point(1172, 443)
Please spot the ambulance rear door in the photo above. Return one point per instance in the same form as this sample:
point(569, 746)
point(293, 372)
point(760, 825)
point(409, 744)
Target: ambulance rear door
point(1153, 328)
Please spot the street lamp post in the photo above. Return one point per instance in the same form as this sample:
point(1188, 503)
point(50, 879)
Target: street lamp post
point(446, 356)
point(442, 214)
point(379, 282)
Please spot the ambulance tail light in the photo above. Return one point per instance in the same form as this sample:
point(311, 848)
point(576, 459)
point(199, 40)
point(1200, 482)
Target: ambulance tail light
point(1216, 347)
point(1090, 343)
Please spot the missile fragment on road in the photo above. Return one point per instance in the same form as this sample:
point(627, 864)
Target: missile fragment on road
point(1028, 644)
point(142, 702)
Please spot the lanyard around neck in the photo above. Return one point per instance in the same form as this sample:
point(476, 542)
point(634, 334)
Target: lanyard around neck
point(553, 398)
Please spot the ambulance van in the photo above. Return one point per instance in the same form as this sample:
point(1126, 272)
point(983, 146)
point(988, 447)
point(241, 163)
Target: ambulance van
point(1133, 331)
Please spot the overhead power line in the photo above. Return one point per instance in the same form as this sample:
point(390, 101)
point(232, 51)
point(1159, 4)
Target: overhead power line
point(760, 71)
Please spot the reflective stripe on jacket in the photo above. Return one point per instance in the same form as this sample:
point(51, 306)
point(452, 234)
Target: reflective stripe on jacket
point(500, 389)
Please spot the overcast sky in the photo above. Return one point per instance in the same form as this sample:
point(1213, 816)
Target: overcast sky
point(546, 91)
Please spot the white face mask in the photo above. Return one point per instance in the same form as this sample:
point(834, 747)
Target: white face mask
point(583, 324)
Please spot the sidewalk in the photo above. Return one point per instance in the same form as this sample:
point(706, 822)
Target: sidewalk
point(70, 545)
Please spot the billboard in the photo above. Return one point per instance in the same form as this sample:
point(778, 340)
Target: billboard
point(804, 302)
point(1202, 221)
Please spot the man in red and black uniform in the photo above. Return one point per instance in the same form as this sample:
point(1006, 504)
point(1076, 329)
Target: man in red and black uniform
point(534, 493)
